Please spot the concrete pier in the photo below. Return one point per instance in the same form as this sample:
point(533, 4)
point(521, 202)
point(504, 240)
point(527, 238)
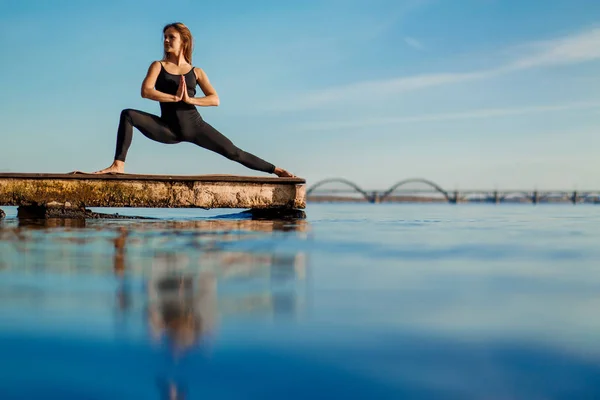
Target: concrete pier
point(40, 192)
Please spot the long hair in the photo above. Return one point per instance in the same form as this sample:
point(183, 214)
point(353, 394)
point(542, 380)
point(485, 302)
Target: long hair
point(186, 38)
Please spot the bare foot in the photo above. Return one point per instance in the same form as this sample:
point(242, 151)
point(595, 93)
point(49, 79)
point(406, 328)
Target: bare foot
point(282, 173)
point(117, 167)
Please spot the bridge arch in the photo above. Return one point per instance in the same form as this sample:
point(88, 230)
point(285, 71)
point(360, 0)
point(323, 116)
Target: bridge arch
point(339, 180)
point(415, 180)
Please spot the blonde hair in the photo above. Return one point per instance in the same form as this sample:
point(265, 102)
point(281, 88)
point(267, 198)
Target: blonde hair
point(186, 38)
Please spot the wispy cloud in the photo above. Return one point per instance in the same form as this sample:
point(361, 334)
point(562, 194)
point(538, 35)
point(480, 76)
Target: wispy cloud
point(414, 43)
point(572, 49)
point(567, 50)
point(471, 114)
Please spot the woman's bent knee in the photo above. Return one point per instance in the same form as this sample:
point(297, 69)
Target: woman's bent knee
point(126, 113)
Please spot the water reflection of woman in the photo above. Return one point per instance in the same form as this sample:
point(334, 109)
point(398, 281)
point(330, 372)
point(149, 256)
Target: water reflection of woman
point(182, 308)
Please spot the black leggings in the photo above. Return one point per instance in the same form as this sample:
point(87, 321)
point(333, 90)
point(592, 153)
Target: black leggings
point(187, 127)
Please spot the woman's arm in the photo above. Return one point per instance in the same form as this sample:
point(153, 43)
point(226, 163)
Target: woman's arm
point(211, 98)
point(148, 91)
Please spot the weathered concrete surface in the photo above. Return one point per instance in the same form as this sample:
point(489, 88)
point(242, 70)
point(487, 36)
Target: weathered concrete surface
point(156, 191)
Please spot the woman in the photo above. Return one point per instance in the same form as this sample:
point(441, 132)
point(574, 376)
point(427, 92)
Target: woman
point(172, 82)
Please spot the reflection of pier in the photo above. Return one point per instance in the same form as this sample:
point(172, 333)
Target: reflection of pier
point(430, 192)
point(248, 279)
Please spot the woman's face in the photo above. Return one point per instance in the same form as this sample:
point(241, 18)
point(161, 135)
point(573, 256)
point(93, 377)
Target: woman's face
point(172, 41)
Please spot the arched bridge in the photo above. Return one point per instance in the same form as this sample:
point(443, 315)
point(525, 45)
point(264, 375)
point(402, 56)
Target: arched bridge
point(490, 196)
point(376, 196)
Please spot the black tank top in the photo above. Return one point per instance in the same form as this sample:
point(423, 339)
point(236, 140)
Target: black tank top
point(169, 83)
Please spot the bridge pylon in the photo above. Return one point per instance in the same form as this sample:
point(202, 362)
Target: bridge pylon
point(375, 198)
point(453, 199)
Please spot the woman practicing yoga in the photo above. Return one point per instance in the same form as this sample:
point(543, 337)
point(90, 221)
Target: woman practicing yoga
point(172, 82)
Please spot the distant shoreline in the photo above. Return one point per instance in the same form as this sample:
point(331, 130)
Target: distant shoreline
point(423, 199)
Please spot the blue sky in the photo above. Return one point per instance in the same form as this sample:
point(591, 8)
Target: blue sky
point(467, 93)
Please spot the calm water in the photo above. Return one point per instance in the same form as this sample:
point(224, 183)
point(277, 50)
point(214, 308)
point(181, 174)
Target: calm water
point(358, 301)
